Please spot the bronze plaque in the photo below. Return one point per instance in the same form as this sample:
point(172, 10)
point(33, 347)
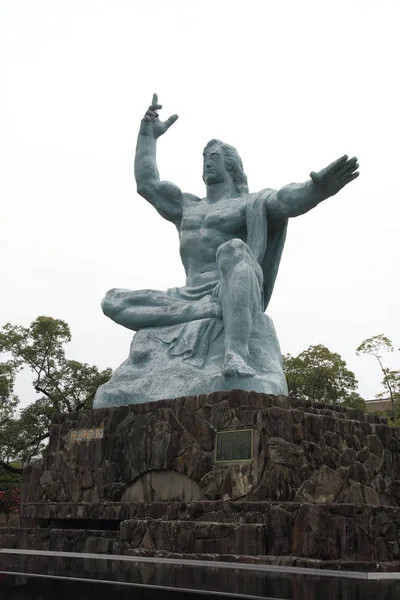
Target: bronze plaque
point(234, 445)
point(87, 435)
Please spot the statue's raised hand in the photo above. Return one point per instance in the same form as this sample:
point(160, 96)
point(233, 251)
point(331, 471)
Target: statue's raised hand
point(334, 177)
point(151, 124)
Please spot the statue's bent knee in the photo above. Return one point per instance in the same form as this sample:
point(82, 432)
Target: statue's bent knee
point(232, 252)
point(108, 302)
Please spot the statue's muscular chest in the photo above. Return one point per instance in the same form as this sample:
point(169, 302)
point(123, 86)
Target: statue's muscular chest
point(227, 217)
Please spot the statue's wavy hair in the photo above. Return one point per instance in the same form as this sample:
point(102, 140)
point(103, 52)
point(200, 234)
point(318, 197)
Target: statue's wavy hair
point(233, 163)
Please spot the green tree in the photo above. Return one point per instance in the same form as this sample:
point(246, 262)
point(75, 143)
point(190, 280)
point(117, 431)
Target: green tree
point(321, 375)
point(8, 405)
point(376, 346)
point(8, 400)
point(64, 385)
point(354, 400)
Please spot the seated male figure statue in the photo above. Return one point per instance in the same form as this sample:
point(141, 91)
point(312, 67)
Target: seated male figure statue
point(230, 244)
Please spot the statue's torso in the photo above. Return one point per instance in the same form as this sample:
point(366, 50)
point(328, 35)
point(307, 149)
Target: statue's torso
point(204, 227)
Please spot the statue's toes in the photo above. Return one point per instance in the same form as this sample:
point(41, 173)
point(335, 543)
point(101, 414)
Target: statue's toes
point(229, 370)
point(235, 365)
point(246, 371)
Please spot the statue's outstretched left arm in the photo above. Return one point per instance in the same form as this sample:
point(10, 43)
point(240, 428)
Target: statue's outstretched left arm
point(296, 199)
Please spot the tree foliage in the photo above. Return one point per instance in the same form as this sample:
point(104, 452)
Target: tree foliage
point(376, 346)
point(8, 400)
point(63, 385)
point(354, 400)
point(321, 375)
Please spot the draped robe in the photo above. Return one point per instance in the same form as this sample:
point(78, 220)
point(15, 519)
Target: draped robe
point(265, 240)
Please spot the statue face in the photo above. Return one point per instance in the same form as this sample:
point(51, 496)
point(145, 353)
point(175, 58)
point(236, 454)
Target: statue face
point(214, 169)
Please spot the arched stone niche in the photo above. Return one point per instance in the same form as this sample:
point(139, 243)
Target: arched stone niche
point(163, 486)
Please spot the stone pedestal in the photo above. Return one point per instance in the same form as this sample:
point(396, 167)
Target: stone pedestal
point(166, 451)
point(231, 474)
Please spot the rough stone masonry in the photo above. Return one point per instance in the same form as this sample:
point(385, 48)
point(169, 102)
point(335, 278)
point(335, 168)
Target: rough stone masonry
point(322, 488)
point(164, 451)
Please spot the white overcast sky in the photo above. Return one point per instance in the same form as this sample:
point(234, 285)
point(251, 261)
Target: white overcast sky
point(293, 85)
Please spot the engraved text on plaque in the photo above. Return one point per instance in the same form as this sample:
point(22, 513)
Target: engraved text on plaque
point(86, 435)
point(234, 445)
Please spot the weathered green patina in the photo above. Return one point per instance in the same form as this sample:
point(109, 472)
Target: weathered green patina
point(212, 334)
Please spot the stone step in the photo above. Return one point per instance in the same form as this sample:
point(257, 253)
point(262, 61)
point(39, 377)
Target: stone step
point(193, 537)
point(323, 531)
point(310, 531)
point(315, 533)
point(62, 513)
point(60, 540)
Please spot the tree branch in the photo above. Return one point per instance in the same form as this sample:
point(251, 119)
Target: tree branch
point(386, 380)
point(43, 391)
point(82, 404)
point(10, 468)
point(39, 439)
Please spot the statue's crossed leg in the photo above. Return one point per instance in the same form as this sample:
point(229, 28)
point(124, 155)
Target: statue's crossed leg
point(240, 297)
point(152, 308)
point(237, 299)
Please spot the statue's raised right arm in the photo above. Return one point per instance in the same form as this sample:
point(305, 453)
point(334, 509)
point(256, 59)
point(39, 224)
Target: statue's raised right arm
point(296, 199)
point(165, 196)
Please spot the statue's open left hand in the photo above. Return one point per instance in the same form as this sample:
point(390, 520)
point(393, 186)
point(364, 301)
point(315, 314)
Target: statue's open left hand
point(151, 124)
point(334, 177)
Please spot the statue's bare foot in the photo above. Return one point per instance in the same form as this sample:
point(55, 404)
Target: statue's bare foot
point(235, 365)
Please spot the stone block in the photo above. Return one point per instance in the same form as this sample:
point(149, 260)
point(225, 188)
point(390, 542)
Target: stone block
point(326, 485)
point(312, 428)
point(280, 423)
point(358, 493)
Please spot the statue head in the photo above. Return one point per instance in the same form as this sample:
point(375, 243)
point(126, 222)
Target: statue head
point(222, 160)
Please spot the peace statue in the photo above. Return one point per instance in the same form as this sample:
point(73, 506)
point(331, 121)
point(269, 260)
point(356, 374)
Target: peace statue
point(212, 334)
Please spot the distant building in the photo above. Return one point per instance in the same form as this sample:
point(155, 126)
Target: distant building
point(378, 404)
